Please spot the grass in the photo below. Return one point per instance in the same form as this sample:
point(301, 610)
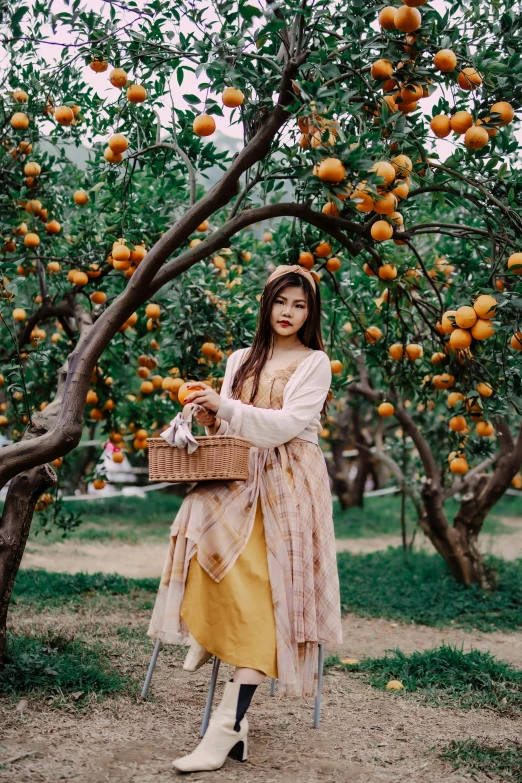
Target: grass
point(59, 666)
point(419, 588)
point(381, 516)
point(448, 677)
point(131, 519)
point(472, 756)
point(36, 587)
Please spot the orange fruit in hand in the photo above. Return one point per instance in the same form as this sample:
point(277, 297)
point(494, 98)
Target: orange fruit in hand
point(189, 388)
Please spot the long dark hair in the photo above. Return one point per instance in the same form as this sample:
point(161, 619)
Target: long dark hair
point(309, 333)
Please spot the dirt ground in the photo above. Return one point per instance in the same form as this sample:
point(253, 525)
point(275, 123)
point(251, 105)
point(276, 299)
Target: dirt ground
point(365, 736)
point(146, 559)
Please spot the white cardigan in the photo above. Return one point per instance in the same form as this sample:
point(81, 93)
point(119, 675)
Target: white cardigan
point(303, 399)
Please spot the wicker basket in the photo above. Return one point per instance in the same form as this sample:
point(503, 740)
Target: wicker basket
point(218, 458)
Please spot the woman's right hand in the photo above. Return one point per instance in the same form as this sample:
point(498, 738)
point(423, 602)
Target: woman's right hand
point(205, 418)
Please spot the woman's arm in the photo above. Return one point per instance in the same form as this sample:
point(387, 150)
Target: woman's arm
point(220, 426)
point(268, 428)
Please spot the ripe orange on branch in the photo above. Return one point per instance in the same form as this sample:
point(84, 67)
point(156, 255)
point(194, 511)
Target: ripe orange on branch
point(514, 263)
point(31, 239)
point(445, 60)
point(485, 306)
point(460, 339)
point(469, 79)
point(153, 310)
point(136, 93)
point(461, 121)
point(19, 120)
point(482, 329)
point(232, 97)
point(64, 115)
point(387, 17)
point(81, 198)
point(476, 137)
point(381, 69)
point(381, 230)
point(331, 170)
point(118, 143)
point(118, 77)
point(204, 125)
point(385, 409)
point(407, 19)
point(506, 111)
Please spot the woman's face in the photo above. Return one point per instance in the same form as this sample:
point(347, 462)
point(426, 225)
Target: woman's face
point(289, 311)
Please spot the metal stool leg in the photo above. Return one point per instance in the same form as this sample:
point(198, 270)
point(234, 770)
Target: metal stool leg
point(272, 687)
point(210, 696)
point(150, 672)
point(317, 710)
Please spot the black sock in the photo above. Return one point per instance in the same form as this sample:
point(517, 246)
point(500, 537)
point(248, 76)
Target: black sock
point(246, 693)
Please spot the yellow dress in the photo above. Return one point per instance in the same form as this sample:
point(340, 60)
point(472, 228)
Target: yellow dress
point(234, 618)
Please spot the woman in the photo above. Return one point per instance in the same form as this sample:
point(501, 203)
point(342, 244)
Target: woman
point(251, 575)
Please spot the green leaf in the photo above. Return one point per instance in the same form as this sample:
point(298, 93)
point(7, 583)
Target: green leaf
point(248, 12)
point(192, 99)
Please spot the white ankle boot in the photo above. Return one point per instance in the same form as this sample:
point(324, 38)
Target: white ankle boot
point(220, 737)
point(196, 656)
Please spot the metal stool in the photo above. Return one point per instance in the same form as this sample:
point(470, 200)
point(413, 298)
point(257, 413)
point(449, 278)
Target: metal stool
point(213, 681)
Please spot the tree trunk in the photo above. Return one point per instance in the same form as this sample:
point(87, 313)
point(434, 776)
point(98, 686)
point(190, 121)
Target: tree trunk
point(458, 547)
point(15, 524)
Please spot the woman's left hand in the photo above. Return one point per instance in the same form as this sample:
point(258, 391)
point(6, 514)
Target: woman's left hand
point(207, 397)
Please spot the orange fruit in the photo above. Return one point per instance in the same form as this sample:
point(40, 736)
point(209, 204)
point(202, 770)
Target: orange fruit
point(118, 143)
point(232, 97)
point(112, 157)
point(381, 69)
point(184, 391)
point(465, 317)
point(402, 189)
point(96, 414)
point(330, 208)
point(92, 397)
point(306, 259)
point(333, 264)
point(457, 423)
point(461, 121)
point(19, 314)
point(387, 17)
point(32, 169)
point(485, 429)
point(98, 66)
point(407, 108)
point(372, 334)
point(460, 339)
point(387, 272)
point(146, 387)
point(53, 227)
point(80, 278)
point(98, 297)
point(118, 77)
point(506, 111)
point(381, 230)
point(441, 126)
point(98, 483)
point(445, 60)
point(384, 171)
point(459, 466)
point(138, 254)
point(484, 389)
point(485, 306)
point(407, 19)
point(31, 239)
point(19, 120)
point(204, 125)
point(120, 253)
point(53, 267)
point(64, 115)
point(385, 409)
point(336, 366)
point(454, 398)
point(491, 130)
point(362, 199)
point(203, 226)
point(81, 198)
point(514, 263)
point(331, 170)
point(323, 250)
point(414, 351)
point(368, 270)
point(443, 381)
point(402, 165)
point(396, 351)
point(438, 357)
point(153, 310)
point(20, 96)
point(385, 203)
point(136, 93)
point(118, 456)
point(411, 92)
point(482, 329)
point(469, 79)
point(476, 137)
point(448, 322)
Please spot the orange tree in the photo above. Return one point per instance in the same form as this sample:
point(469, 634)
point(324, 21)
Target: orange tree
point(330, 102)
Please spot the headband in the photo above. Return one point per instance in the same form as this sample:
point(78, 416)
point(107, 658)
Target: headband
point(285, 269)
